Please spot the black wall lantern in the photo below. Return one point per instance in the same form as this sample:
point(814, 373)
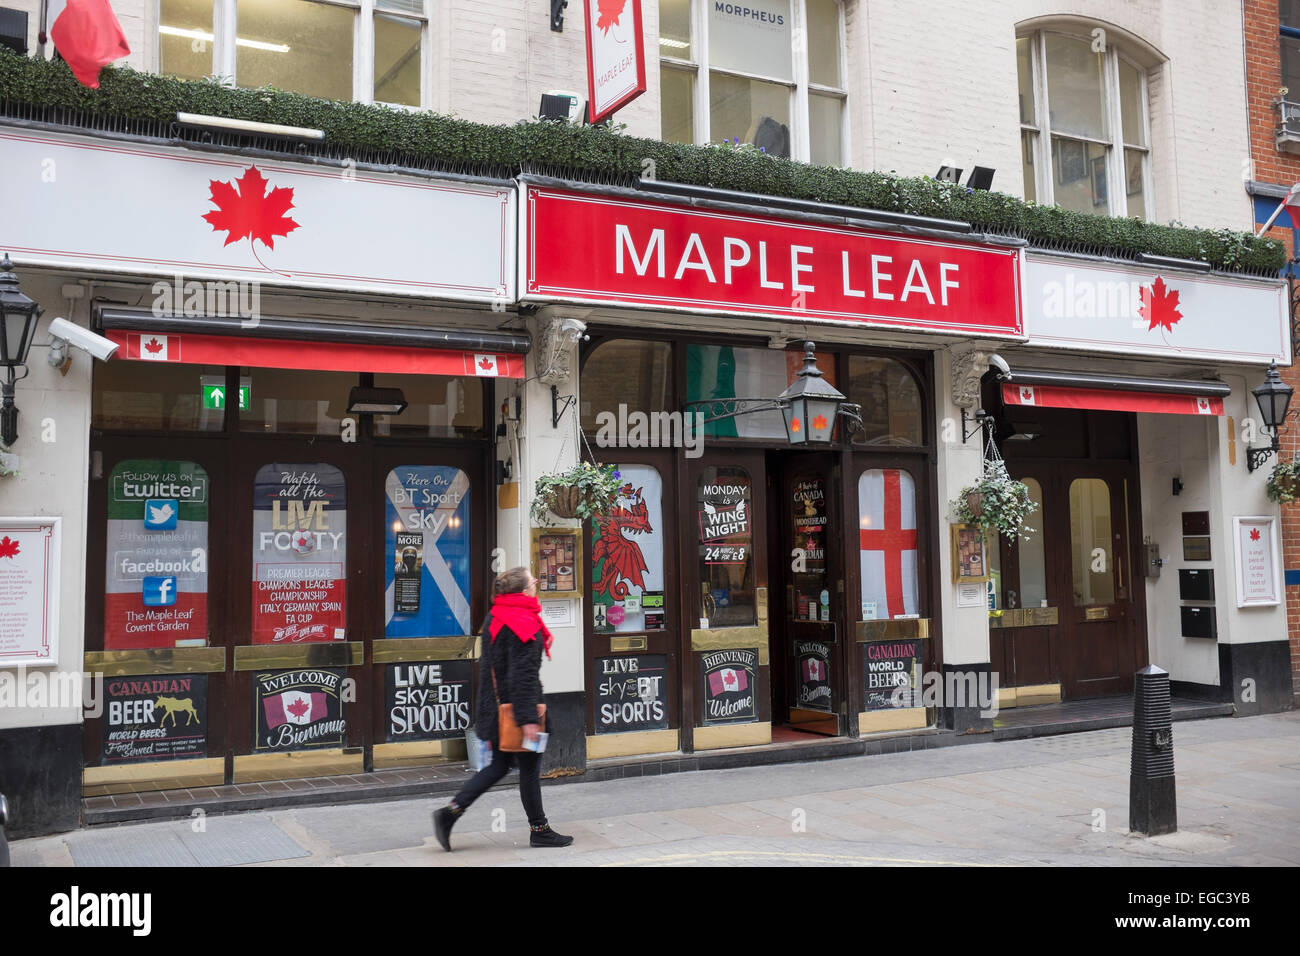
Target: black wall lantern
point(1274, 398)
point(18, 318)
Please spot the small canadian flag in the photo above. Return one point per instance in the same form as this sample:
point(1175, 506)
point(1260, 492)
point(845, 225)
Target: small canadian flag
point(727, 679)
point(1027, 395)
point(485, 365)
point(813, 670)
point(153, 348)
point(1202, 406)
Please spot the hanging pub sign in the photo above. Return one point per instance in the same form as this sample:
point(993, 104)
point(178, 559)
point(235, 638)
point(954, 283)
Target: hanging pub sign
point(724, 520)
point(158, 717)
point(596, 248)
point(299, 554)
point(298, 709)
point(728, 679)
point(430, 701)
point(615, 56)
point(29, 590)
point(156, 582)
point(631, 693)
point(627, 556)
point(427, 518)
point(887, 667)
point(812, 675)
point(809, 512)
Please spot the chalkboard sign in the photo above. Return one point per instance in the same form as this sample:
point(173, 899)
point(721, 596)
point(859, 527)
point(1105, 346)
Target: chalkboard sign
point(887, 667)
point(812, 675)
point(728, 681)
point(808, 503)
point(298, 709)
point(631, 693)
point(431, 701)
point(163, 717)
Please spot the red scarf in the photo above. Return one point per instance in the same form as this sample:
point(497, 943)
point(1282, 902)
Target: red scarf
point(523, 615)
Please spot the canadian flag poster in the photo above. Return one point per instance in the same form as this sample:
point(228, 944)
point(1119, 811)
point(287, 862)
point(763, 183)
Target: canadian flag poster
point(813, 670)
point(728, 679)
point(87, 35)
point(294, 707)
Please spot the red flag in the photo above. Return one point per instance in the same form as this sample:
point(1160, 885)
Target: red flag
point(87, 35)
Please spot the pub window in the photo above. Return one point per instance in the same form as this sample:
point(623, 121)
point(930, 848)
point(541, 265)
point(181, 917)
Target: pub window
point(627, 372)
point(1090, 542)
point(301, 45)
point(1033, 562)
point(427, 533)
point(887, 542)
point(293, 402)
point(892, 411)
point(627, 556)
point(724, 506)
point(1083, 124)
point(171, 397)
point(720, 372)
point(771, 75)
point(438, 406)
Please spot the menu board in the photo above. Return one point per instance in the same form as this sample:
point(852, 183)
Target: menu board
point(300, 524)
point(728, 679)
point(557, 556)
point(812, 675)
point(631, 693)
point(725, 521)
point(427, 537)
point(808, 501)
point(159, 717)
point(887, 667)
point(156, 581)
point(29, 591)
point(298, 710)
point(428, 701)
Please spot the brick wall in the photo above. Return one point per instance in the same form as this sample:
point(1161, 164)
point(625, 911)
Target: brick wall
point(1269, 164)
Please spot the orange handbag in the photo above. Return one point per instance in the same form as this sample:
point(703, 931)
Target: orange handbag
point(510, 736)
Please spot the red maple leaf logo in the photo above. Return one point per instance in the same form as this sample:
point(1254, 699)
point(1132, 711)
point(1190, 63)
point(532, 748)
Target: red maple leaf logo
point(819, 422)
point(485, 364)
point(299, 707)
point(1160, 306)
point(251, 212)
point(1254, 535)
point(728, 679)
point(610, 11)
point(795, 425)
point(8, 547)
point(153, 345)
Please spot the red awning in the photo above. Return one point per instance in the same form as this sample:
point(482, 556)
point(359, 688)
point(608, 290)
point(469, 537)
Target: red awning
point(1060, 396)
point(195, 349)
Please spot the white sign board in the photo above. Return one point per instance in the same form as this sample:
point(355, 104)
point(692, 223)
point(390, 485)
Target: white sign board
point(615, 55)
point(557, 613)
point(29, 591)
point(107, 205)
point(1139, 310)
point(1255, 542)
point(752, 36)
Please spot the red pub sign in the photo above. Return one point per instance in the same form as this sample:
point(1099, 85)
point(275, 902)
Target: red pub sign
point(582, 247)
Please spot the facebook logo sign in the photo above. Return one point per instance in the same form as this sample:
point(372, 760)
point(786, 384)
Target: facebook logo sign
point(160, 592)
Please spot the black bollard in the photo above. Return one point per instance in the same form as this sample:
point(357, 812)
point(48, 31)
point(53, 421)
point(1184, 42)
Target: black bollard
point(1152, 806)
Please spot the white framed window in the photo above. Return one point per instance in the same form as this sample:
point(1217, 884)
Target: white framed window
point(363, 50)
point(766, 72)
point(1085, 132)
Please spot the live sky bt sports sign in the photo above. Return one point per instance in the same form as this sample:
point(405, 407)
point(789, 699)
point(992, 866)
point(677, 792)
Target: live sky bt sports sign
point(603, 249)
point(615, 56)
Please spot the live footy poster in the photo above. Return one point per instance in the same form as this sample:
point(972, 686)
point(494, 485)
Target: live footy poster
point(627, 556)
point(812, 675)
point(156, 582)
point(299, 554)
point(156, 717)
point(429, 701)
point(728, 680)
point(631, 693)
point(298, 709)
point(887, 667)
point(426, 576)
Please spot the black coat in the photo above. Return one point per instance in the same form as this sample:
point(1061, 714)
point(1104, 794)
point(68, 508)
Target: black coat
point(518, 666)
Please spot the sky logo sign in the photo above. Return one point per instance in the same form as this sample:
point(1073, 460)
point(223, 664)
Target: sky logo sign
point(160, 514)
point(159, 592)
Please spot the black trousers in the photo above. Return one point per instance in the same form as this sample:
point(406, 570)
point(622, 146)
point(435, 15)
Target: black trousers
point(530, 783)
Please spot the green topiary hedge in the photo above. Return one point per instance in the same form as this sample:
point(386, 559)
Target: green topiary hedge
point(599, 153)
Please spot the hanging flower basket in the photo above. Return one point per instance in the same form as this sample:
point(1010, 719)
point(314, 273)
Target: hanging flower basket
point(1284, 483)
point(583, 492)
point(996, 502)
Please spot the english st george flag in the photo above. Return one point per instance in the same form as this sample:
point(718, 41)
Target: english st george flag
point(87, 35)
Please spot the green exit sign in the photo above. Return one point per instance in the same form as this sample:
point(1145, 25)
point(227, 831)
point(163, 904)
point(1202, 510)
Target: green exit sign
point(214, 396)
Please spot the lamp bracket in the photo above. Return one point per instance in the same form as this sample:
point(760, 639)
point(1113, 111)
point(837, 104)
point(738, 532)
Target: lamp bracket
point(981, 419)
point(716, 409)
point(559, 405)
point(1257, 456)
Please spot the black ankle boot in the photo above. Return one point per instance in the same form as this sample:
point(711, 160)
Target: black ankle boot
point(548, 837)
point(444, 819)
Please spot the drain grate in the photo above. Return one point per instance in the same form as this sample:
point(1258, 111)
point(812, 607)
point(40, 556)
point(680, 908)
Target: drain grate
point(229, 841)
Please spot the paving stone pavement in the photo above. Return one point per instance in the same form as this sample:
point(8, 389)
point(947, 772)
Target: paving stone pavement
point(1045, 801)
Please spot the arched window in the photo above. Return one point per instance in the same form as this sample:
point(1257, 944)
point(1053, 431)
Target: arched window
point(628, 372)
point(892, 410)
point(1084, 129)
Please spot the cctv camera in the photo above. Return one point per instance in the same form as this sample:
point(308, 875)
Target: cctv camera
point(998, 362)
point(573, 327)
point(98, 346)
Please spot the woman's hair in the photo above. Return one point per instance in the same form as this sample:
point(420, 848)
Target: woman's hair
point(512, 581)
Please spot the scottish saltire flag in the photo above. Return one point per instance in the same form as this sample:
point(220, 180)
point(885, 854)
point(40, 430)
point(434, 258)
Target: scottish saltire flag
point(428, 506)
point(887, 532)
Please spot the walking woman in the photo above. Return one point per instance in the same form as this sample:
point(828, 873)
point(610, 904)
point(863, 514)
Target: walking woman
point(511, 661)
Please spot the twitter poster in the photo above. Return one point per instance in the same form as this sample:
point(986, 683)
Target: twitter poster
point(157, 574)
